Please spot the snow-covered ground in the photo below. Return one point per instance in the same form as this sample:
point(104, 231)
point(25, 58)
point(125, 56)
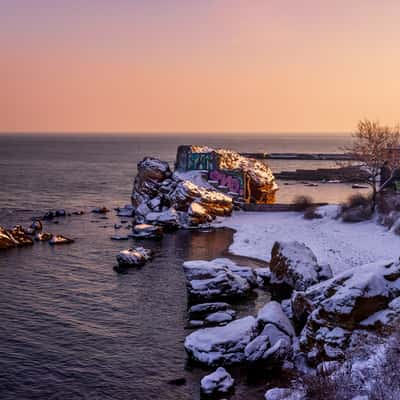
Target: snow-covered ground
point(342, 245)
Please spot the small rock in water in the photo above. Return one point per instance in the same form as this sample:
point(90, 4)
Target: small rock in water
point(126, 211)
point(133, 257)
point(146, 231)
point(49, 215)
point(117, 237)
point(177, 382)
point(218, 383)
point(43, 236)
point(36, 226)
point(60, 213)
point(60, 239)
point(100, 210)
point(78, 213)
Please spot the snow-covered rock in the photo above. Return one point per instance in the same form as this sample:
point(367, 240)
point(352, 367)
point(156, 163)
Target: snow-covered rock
point(219, 318)
point(168, 219)
point(207, 280)
point(201, 311)
point(146, 231)
point(221, 345)
point(294, 266)
point(133, 257)
point(274, 344)
point(272, 313)
point(218, 383)
point(284, 394)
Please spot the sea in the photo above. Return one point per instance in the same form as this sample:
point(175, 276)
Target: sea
point(73, 328)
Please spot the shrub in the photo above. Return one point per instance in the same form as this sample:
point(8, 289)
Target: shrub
point(357, 208)
point(311, 213)
point(302, 203)
point(338, 385)
point(357, 200)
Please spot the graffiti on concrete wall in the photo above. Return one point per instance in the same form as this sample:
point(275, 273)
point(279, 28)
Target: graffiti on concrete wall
point(233, 180)
point(201, 161)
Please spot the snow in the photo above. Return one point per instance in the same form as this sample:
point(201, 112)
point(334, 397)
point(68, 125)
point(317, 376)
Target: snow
point(219, 382)
point(341, 245)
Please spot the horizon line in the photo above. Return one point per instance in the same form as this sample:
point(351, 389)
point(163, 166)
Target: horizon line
point(176, 133)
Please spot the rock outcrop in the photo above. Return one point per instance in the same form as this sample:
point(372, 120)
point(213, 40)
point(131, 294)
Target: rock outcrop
point(7, 241)
point(186, 198)
point(355, 299)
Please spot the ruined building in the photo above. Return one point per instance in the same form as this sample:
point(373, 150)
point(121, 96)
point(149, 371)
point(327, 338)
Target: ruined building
point(247, 178)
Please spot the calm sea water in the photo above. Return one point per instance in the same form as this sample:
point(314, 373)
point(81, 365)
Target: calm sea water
point(70, 327)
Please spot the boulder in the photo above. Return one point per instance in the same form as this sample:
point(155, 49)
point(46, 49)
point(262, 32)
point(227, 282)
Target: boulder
point(60, 239)
point(146, 231)
point(295, 267)
point(151, 173)
point(221, 345)
point(133, 257)
point(197, 214)
point(345, 303)
point(218, 383)
point(212, 280)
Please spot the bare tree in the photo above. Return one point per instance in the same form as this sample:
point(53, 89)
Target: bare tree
point(372, 145)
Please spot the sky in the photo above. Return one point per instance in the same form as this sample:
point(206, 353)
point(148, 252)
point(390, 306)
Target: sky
point(198, 65)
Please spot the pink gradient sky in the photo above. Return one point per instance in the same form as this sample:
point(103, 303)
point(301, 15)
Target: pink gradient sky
point(204, 66)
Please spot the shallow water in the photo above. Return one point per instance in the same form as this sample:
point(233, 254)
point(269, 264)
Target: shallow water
point(74, 328)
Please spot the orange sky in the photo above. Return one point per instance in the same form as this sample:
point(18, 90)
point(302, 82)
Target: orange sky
point(204, 66)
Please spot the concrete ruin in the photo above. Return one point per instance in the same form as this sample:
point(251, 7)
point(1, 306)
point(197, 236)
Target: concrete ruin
point(246, 178)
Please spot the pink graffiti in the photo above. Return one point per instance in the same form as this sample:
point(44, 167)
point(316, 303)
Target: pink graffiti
point(231, 182)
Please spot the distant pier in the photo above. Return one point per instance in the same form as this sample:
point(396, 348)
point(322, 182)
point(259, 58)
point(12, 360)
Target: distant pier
point(300, 156)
